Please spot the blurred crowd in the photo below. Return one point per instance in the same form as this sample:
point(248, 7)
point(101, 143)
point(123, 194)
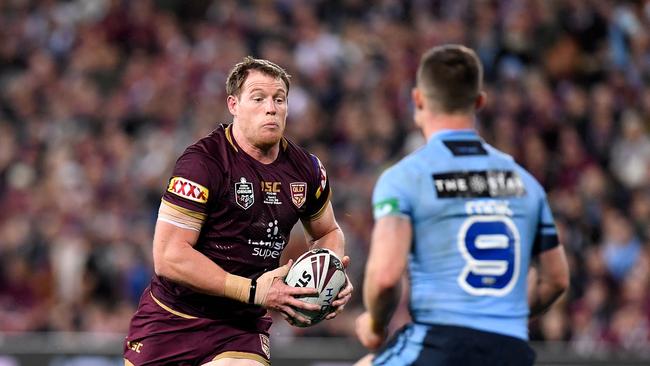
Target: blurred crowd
point(99, 97)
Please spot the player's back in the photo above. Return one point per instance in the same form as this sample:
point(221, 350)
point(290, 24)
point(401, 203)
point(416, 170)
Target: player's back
point(476, 216)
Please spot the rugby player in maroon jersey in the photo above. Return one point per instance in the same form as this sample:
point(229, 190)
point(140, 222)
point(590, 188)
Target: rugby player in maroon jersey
point(223, 222)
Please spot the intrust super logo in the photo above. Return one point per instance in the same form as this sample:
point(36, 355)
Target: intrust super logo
point(187, 189)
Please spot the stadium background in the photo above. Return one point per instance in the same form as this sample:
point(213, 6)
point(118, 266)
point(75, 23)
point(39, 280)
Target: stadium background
point(98, 97)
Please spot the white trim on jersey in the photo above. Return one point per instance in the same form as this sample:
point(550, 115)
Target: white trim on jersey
point(178, 224)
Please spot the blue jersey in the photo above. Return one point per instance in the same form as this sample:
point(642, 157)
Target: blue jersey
point(478, 218)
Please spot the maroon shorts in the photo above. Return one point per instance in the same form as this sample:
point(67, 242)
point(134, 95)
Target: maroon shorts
point(160, 335)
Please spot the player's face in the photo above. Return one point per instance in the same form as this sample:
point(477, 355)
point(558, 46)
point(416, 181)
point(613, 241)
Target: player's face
point(261, 109)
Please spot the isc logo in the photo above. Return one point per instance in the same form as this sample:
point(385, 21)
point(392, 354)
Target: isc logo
point(270, 186)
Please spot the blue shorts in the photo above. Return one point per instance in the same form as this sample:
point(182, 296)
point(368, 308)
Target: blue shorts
point(441, 345)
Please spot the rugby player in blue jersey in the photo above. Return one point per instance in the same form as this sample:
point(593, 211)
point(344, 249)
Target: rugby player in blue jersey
point(468, 224)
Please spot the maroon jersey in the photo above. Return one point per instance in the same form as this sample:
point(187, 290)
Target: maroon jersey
point(248, 208)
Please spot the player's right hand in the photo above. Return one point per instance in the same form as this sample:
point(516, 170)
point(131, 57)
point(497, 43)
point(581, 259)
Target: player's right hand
point(272, 293)
point(369, 336)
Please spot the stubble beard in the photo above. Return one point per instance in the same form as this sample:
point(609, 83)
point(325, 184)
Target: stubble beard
point(266, 140)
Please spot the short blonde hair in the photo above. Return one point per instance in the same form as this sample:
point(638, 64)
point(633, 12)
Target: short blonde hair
point(239, 73)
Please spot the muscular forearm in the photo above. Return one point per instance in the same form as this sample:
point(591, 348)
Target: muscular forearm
point(391, 238)
point(548, 280)
point(542, 297)
point(333, 240)
point(381, 302)
point(183, 264)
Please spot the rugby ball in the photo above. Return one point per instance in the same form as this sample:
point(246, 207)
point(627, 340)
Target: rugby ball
point(321, 269)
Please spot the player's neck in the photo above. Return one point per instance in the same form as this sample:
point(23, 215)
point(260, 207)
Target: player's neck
point(438, 122)
point(265, 155)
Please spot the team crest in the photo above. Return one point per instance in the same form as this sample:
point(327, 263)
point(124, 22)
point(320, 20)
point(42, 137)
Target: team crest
point(266, 345)
point(298, 193)
point(244, 195)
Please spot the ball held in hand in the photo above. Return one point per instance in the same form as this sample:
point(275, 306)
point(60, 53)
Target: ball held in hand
point(321, 269)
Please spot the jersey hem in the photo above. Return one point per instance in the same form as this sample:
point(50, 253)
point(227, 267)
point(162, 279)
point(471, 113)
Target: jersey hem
point(242, 355)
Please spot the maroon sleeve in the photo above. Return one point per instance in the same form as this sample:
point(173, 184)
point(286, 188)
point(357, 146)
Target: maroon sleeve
point(319, 190)
point(193, 183)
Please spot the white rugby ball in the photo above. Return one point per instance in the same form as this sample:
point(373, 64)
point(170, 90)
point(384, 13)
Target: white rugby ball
point(321, 269)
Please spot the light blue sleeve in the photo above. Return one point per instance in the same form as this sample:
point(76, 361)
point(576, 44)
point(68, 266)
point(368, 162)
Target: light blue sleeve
point(390, 196)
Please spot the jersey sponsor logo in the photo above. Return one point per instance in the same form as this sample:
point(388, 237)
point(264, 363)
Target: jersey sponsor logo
point(488, 207)
point(272, 246)
point(266, 345)
point(187, 189)
point(244, 194)
point(323, 179)
point(271, 187)
point(479, 184)
point(270, 191)
point(386, 207)
point(134, 346)
point(298, 193)
point(465, 148)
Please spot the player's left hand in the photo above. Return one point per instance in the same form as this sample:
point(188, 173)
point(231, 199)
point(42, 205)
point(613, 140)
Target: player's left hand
point(345, 294)
point(368, 334)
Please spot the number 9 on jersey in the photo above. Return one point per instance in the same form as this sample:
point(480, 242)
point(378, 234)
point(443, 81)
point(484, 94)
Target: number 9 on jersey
point(490, 246)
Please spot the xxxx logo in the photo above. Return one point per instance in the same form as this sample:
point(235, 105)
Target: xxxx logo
point(187, 189)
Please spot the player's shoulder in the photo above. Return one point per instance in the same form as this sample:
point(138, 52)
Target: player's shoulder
point(498, 154)
point(212, 148)
point(214, 141)
point(300, 156)
point(528, 179)
point(403, 169)
point(292, 148)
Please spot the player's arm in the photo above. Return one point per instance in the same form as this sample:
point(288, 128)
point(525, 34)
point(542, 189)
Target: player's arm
point(324, 232)
point(389, 248)
point(321, 228)
point(550, 279)
point(176, 259)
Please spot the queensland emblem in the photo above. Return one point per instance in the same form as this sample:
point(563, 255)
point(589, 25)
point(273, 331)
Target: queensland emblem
point(244, 195)
point(298, 193)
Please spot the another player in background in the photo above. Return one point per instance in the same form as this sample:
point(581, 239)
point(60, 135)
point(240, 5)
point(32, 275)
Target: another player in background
point(223, 223)
point(468, 222)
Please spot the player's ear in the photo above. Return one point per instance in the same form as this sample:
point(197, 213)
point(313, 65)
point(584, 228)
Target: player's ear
point(232, 104)
point(418, 99)
point(481, 99)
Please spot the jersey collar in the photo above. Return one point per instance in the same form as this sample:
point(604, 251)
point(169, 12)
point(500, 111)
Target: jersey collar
point(455, 134)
